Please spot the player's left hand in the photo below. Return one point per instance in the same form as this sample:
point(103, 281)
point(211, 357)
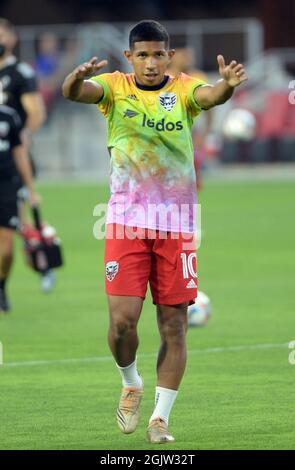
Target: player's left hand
point(234, 74)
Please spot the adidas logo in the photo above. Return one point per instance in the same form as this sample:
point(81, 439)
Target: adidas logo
point(133, 97)
point(129, 113)
point(191, 284)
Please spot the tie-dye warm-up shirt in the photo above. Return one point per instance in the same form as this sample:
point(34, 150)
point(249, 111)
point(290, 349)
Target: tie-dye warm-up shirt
point(152, 180)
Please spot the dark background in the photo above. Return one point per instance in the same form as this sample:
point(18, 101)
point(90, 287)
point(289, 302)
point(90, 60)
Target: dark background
point(277, 16)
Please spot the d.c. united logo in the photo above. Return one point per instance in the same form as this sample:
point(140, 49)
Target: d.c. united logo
point(112, 267)
point(167, 100)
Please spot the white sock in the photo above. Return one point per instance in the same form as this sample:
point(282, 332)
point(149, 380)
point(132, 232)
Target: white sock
point(164, 400)
point(130, 376)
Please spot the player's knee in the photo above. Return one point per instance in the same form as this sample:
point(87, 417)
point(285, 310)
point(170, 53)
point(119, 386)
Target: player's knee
point(7, 259)
point(173, 329)
point(6, 253)
point(122, 326)
point(6, 248)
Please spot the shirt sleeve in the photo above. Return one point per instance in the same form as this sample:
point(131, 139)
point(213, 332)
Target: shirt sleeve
point(105, 104)
point(27, 79)
point(190, 84)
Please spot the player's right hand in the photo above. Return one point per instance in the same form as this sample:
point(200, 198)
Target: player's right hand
point(88, 69)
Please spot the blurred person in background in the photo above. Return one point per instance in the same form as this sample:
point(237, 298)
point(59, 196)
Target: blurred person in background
point(184, 62)
point(19, 91)
point(47, 65)
point(14, 161)
point(47, 61)
point(55, 59)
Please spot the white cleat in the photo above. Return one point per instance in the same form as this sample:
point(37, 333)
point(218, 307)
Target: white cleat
point(48, 281)
point(128, 409)
point(157, 432)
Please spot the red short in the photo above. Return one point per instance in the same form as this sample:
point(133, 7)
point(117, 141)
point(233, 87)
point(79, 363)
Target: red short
point(138, 256)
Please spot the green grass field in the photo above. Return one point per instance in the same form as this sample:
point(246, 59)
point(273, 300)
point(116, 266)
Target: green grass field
point(59, 387)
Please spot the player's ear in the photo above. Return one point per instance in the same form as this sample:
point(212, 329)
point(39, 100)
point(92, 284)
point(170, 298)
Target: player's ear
point(128, 55)
point(12, 40)
point(171, 53)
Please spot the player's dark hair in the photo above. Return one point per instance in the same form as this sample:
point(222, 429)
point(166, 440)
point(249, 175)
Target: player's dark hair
point(4, 23)
point(148, 30)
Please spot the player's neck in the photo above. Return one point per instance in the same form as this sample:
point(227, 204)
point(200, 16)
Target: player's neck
point(174, 71)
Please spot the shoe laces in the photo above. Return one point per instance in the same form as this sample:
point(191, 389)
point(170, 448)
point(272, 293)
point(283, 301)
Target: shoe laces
point(160, 424)
point(129, 399)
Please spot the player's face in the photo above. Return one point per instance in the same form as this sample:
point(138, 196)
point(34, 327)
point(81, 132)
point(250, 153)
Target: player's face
point(149, 60)
point(7, 39)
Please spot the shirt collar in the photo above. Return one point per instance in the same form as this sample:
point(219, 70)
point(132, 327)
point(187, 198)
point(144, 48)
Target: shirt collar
point(152, 87)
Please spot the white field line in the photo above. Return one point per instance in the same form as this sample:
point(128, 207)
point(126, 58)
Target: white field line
point(83, 360)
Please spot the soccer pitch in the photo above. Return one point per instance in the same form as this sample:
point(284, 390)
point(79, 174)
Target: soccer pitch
point(59, 387)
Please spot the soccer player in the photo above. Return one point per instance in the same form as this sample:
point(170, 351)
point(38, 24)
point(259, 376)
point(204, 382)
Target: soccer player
point(150, 117)
point(18, 90)
point(13, 156)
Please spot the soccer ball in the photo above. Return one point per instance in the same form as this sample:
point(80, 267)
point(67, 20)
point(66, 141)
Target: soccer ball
point(239, 124)
point(200, 312)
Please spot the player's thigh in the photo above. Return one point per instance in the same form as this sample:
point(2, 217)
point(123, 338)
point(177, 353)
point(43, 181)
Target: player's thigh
point(127, 266)
point(173, 277)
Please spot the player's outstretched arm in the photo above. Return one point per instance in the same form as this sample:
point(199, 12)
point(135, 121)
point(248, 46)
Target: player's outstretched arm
point(77, 87)
point(232, 75)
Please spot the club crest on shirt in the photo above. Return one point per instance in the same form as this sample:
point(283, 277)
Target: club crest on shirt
point(112, 268)
point(167, 100)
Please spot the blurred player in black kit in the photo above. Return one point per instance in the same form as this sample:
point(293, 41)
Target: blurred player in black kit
point(14, 163)
point(18, 90)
